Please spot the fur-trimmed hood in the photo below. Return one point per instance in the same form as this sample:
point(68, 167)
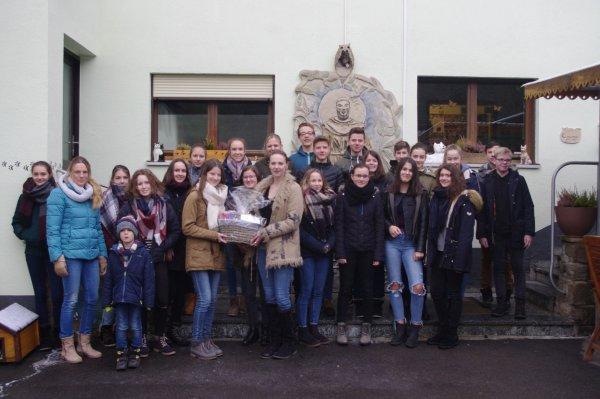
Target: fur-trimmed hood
point(475, 199)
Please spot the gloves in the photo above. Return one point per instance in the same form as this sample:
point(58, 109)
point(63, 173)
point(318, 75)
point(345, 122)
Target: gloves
point(60, 267)
point(103, 265)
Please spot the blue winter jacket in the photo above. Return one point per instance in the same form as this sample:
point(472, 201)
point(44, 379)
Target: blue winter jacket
point(73, 228)
point(133, 284)
point(300, 162)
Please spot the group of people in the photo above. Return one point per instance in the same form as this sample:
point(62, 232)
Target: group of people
point(144, 245)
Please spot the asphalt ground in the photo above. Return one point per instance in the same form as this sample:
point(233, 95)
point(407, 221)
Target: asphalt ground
point(476, 369)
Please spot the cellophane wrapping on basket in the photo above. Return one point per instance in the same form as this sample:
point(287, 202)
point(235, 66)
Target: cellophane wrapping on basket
point(241, 224)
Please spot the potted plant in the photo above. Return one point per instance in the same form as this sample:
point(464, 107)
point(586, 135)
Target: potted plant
point(182, 150)
point(219, 153)
point(576, 211)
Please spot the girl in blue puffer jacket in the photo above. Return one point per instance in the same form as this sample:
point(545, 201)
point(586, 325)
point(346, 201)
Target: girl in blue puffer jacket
point(129, 287)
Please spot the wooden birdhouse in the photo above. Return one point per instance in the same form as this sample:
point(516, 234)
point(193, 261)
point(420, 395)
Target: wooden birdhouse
point(19, 333)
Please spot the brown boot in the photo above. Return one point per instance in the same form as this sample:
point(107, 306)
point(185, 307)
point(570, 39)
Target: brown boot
point(68, 352)
point(86, 347)
point(234, 308)
point(190, 304)
point(242, 304)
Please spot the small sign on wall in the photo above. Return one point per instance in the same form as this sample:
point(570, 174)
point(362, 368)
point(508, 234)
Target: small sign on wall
point(570, 135)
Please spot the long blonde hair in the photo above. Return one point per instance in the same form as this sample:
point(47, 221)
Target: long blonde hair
point(97, 196)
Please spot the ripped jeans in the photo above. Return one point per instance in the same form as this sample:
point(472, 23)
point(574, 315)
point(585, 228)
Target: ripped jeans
point(399, 253)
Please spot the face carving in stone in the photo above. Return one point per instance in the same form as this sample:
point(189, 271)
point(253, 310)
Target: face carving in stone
point(342, 107)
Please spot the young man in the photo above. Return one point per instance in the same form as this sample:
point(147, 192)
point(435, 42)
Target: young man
point(487, 298)
point(355, 153)
point(401, 150)
point(418, 153)
point(507, 227)
point(300, 161)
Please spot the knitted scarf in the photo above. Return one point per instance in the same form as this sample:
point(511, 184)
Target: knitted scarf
point(357, 195)
point(112, 200)
point(125, 254)
point(151, 218)
point(320, 206)
point(236, 167)
point(32, 195)
point(215, 203)
point(194, 172)
point(73, 191)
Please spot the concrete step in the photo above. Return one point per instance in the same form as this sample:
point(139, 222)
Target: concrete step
point(541, 294)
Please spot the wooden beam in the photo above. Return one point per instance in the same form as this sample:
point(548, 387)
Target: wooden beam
point(472, 113)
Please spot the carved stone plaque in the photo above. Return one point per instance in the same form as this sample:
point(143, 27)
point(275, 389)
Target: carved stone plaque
point(339, 100)
point(570, 135)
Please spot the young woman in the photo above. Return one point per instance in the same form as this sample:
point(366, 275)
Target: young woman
point(376, 172)
point(317, 240)
point(235, 161)
point(359, 237)
point(197, 159)
point(282, 243)
point(29, 225)
point(272, 143)
point(76, 246)
point(159, 229)
point(406, 226)
point(204, 258)
point(452, 212)
point(177, 185)
point(452, 156)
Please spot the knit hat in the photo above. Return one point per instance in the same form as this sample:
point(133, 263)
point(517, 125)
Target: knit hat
point(129, 223)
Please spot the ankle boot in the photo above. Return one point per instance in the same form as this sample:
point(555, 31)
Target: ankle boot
point(133, 358)
point(340, 336)
point(520, 309)
point(450, 340)
point(274, 332)
point(68, 352)
point(412, 337)
point(398, 334)
point(365, 334)
point(438, 337)
point(288, 339)
point(502, 307)
point(252, 335)
point(487, 298)
point(314, 330)
point(307, 338)
point(86, 347)
point(121, 357)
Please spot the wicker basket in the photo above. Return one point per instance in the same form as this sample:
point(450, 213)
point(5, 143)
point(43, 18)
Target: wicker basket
point(238, 231)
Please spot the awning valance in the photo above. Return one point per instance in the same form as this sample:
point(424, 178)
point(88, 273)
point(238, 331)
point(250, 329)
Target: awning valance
point(583, 83)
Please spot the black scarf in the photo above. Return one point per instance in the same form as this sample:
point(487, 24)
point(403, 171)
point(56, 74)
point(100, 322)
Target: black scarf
point(439, 208)
point(32, 195)
point(357, 195)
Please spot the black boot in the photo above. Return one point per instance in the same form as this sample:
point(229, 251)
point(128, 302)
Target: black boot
point(265, 336)
point(398, 334)
point(520, 309)
point(107, 336)
point(288, 339)
point(133, 359)
point(274, 332)
point(307, 338)
point(502, 307)
point(314, 330)
point(450, 340)
point(438, 337)
point(121, 359)
point(487, 299)
point(412, 337)
point(251, 336)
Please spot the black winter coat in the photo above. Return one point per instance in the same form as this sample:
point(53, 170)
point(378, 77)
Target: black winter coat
point(459, 235)
point(359, 227)
point(415, 219)
point(332, 173)
point(522, 217)
point(177, 198)
point(173, 230)
point(133, 284)
point(311, 242)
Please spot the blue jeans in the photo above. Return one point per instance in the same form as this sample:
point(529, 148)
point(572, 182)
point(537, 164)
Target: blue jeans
point(84, 273)
point(128, 317)
point(276, 283)
point(314, 275)
point(41, 271)
point(230, 256)
point(206, 287)
point(399, 253)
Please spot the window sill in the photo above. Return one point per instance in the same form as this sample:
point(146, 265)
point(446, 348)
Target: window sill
point(476, 166)
point(152, 163)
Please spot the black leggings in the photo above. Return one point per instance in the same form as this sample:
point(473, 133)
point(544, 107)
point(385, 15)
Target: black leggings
point(446, 293)
point(358, 264)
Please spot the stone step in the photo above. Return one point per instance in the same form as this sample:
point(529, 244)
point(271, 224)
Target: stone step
point(541, 294)
point(540, 271)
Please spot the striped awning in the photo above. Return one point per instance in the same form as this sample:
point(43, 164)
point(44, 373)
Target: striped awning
point(583, 83)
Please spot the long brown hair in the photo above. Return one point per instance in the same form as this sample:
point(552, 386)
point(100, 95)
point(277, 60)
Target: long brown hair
point(207, 167)
point(414, 185)
point(379, 172)
point(97, 196)
point(118, 168)
point(155, 184)
point(457, 184)
point(168, 178)
point(304, 183)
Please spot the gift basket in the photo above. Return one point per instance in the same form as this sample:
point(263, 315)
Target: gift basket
point(241, 224)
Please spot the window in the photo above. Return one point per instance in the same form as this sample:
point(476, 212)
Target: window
point(194, 108)
point(473, 112)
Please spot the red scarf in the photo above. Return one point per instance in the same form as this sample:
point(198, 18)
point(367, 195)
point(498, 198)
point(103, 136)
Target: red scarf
point(152, 223)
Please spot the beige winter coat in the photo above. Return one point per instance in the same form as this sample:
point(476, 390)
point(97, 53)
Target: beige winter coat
point(282, 235)
point(202, 251)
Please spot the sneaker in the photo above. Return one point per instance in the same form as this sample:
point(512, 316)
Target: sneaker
point(487, 299)
point(314, 330)
point(307, 338)
point(121, 360)
point(164, 347)
point(218, 351)
point(398, 334)
point(133, 360)
point(144, 349)
point(341, 337)
point(365, 334)
point(107, 336)
point(202, 351)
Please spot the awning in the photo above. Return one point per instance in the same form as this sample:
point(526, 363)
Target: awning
point(583, 83)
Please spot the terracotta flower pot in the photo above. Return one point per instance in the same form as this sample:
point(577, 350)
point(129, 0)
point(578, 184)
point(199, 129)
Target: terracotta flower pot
point(575, 221)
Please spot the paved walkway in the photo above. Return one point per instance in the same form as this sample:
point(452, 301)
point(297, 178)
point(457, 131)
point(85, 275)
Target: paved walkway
point(486, 369)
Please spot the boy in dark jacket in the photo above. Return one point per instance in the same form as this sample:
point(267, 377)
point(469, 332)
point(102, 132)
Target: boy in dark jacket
point(129, 288)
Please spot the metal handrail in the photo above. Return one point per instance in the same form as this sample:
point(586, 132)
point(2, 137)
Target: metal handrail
point(552, 217)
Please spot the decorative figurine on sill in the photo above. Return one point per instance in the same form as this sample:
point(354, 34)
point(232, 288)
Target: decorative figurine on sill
point(525, 158)
point(437, 158)
point(157, 153)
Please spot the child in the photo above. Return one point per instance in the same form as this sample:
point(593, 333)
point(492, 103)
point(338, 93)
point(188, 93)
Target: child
point(129, 287)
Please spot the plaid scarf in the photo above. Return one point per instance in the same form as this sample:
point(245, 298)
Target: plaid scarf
point(236, 167)
point(151, 218)
point(112, 200)
point(320, 206)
